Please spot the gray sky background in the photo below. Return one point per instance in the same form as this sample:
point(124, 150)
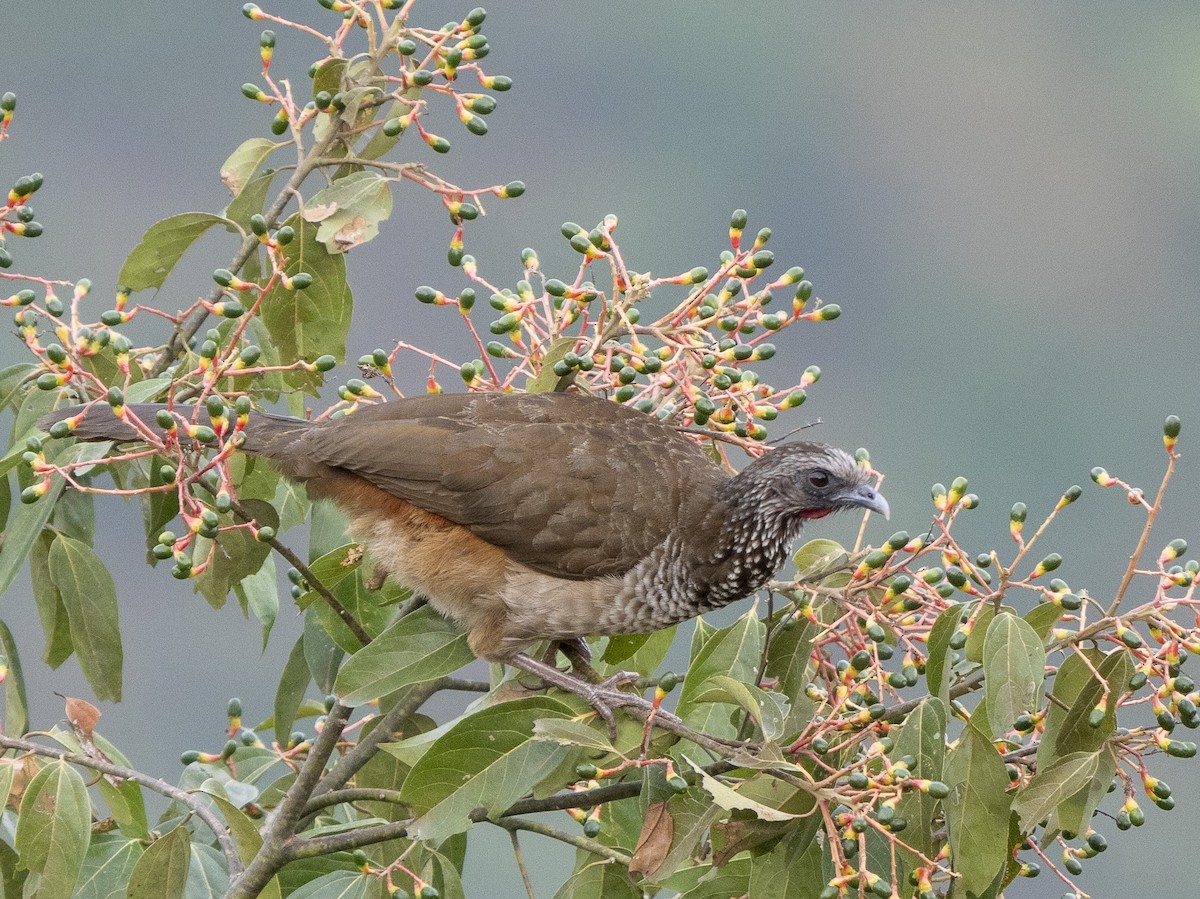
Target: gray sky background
point(1002, 198)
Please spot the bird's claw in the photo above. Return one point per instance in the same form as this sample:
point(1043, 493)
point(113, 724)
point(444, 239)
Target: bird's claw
point(608, 695)
point(604, 696)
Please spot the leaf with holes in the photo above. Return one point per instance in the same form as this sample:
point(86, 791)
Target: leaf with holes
point(349, 210)
point(244, 162)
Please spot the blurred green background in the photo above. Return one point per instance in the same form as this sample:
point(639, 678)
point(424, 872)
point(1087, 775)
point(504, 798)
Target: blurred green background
point(1003, 200)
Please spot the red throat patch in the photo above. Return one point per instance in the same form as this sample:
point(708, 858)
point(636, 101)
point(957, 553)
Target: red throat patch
point(815, 513)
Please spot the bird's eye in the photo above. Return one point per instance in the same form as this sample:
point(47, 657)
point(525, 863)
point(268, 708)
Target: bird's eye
point(819, 479)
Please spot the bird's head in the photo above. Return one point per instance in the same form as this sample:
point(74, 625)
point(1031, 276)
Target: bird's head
point(809, 480)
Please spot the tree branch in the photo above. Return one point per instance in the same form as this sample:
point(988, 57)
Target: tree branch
point(352, 794)
point(332, 601)
point(285, 818)
point(193, 803)
point(577, 840)
point(353, 761)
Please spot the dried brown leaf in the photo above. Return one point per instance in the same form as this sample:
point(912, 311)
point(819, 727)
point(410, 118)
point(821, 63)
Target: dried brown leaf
point(654, 842)
point(83, 717)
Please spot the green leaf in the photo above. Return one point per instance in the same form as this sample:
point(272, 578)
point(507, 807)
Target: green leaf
point(337, 885)
point(259, 593)
point(789, 653)
point(570, 732)
point(977, 811)
point(109, 862)
point(75, 516)
point(302, 871)
point(487, 759)
point(207, 876)
point(293, 684)
point(161, 872)
point(349, 210)
point(983, 618)
point(1053, 785)
point(90, 598)
point(28, 520)
point(331, 569)
point(292, 503)
point(819, 558)
point(1074, 814)
point(547, 381)
point(305, 324)
point(54, 828)
point(1042, 618)
point(938, 666)
point(380, 144)
point(13, 877)
point(247, 839)
point(780, 876)
point(16, 705)
point(238, 554)
point(596, 878)
point(923, 736)
point(1014, 668)
point(323, 656)
point(5, 500)
point(729, 881)
point(624, 653)
point(767, 708)
point(417, 648)
point(244, 162)
point(328, 76)
point(372, 609)
point(731, 800)
point(34, 404)
point(734, 652)
point(12, 383)
point(1076, 692)
point(251, 201)
point(162, 246)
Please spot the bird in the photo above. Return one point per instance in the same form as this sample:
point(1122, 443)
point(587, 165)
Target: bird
point(555, 516)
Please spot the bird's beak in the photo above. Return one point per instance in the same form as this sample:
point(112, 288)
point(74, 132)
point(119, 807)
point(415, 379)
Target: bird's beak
point(866, 497)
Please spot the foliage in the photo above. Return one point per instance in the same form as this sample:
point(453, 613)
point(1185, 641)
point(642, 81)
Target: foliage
point(915, 719)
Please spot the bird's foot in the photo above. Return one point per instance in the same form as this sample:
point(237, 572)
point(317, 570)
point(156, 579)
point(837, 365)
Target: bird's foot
point(604, 696)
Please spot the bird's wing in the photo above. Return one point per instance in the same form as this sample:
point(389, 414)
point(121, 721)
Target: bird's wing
point(570, 486)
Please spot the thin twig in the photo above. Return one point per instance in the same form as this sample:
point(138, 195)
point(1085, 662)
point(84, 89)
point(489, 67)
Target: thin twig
point(194, 804)
point(387, 729)
point(352, 794)
point(516, 844)
point(577, 840)
point(360, 633)
point(1150, 516)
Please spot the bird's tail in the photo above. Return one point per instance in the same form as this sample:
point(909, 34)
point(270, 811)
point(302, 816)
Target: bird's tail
point(264, 432)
